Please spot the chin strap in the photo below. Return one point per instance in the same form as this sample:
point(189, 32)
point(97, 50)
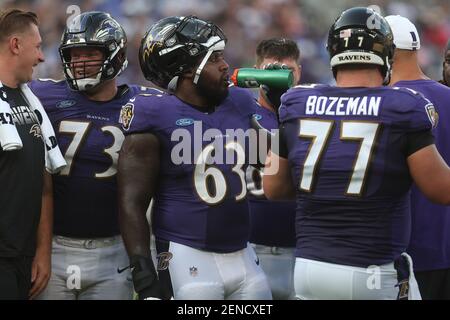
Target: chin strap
point(201, 66)
point(172, 85)
point(387, 77)
point(214, 44)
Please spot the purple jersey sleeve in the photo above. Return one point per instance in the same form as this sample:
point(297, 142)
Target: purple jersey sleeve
point(412, 111)
point(141, 113)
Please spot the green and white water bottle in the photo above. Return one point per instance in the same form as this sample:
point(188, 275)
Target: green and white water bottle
point(253, 78)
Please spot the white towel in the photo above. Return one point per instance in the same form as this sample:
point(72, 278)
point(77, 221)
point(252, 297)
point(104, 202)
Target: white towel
point(54, 160)
point(9, 137)
point(413, 292)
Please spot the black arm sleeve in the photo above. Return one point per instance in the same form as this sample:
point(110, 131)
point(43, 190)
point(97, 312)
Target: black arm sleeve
point(418, 140)
point(282, 151)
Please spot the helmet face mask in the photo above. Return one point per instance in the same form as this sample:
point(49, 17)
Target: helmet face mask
point(361, 36)
point(85, 73)
point(93, 30)
point(176, 45)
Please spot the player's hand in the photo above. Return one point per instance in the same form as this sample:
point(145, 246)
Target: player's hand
point(40, 272)
point(275, 66)
point(273, 95)
point(153, 292)
point(145, 279)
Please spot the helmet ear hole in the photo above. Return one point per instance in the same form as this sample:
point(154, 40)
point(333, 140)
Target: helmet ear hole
point(172, 62)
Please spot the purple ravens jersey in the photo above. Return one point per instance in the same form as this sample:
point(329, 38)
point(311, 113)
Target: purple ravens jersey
point(90, 136)
point(430, 237)
point(201, 194)
point(346, 149)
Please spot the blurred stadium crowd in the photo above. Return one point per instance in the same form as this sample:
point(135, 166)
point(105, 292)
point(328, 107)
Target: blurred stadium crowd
point(245, 23)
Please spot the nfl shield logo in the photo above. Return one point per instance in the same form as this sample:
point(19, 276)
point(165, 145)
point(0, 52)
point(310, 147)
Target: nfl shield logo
point(193, 271)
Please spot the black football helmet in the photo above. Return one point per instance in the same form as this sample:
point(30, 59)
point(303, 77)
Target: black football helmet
point(175, 45)
point(97, 30)
point(361, 36)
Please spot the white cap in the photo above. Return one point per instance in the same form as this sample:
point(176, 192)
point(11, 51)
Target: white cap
point(405, 33)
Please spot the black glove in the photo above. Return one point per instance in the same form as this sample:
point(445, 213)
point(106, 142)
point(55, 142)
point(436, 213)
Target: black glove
point(145, 279)
point(273, 95)
point(263, 134)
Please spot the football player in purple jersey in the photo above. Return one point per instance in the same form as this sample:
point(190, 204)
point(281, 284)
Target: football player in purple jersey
point(88, 251)
point(430, 244)
point(174, 152)
point(272, 226)
point(348, 154)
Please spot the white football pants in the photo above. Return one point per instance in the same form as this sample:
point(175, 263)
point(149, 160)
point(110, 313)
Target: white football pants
point(86, 269)
point(203, 275)
point(278, 265)
point(326, 281)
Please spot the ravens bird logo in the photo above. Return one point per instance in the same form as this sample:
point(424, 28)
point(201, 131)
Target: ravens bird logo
point(432, 115)
point(126, 116)
point(36, 130)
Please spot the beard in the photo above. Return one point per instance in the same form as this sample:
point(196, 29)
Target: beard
point(215, 93)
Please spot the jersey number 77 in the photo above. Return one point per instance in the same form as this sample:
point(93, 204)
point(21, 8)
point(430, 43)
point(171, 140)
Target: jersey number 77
point(319, 132)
